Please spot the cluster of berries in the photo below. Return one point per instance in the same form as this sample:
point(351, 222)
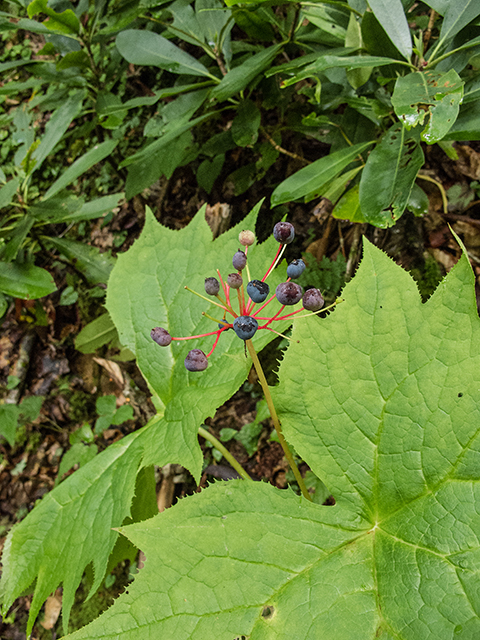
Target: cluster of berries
point(246, 322)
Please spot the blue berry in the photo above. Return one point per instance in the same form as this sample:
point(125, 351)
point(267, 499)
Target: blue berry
point(289, 293)
point(296, 268)
point(245, 327)
point(313, 300)
point(239, 260)
point(257, 290)
point(223, 323)
point(196, 360)
point(284, 232)
point(212, 286)
point(161, 336)
point(234, 280)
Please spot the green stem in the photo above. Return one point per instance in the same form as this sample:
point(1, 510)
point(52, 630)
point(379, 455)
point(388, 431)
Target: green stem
point(276, 421)
point(440, 188)
point(225, 452)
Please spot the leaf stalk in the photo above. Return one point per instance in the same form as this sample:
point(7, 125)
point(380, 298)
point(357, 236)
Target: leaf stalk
point(276, 421)
point(225, 452)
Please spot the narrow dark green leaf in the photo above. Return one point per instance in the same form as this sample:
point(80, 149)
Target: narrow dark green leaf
point(94, 265)
point(348, 207)
point(9, 422)
point(246, 123)
point(71, 209)
point(95, 334)
point(388, 177)
point(240, 77)
point(3, 305)
point(147, 152)
point(331, 19)
point(392, 17)
point(22, 228)
point(312, 179)
point(7, 192)
point(457, 15)
point(418, 201)
point(57, 126)
point(98, 153)
point(64, 22)
point(467, 125)
point(353, 38)
point(325, 62)
point(25, 281)
point(5, 66)
point(472, 90)
point(97, 207)
point(149, 48)
point(145, 171)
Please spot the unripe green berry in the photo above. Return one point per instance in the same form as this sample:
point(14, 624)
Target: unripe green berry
point(246, 238)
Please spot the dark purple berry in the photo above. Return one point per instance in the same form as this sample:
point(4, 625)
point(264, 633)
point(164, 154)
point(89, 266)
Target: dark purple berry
point(234, 280)
point(245, 327)
point(212, 286)
point(161, 336)
point(295, 268)
point(313, 300)
point(239, 260)
point(257, 290)
point(289, 293)
point(196, 360)
point(284, 232)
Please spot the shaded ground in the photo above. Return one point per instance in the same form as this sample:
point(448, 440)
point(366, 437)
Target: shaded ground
point(37, 339)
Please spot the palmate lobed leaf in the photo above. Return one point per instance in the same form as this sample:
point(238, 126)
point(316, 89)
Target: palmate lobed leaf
point(147, 289)
point(381, 399)
point(72, 526)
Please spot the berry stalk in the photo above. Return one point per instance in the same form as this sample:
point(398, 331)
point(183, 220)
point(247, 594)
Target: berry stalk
point(225, 452)
point(275, 420)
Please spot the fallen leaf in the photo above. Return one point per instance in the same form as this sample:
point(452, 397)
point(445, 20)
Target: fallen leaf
point(53, 606)
point(113, 369)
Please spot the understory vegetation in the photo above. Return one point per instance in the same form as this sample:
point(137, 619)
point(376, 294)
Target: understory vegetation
point(282, 446)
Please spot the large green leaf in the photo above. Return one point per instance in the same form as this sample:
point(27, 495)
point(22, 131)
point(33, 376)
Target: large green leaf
point(312, 179)
point(167, 261)
point(391, 16)
point(388, 177)
point(240, 77)
point(382, 400)
point(437, 95)
point(72, 526)
point(149, 48)
point(25, 280)
point(145, 290)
